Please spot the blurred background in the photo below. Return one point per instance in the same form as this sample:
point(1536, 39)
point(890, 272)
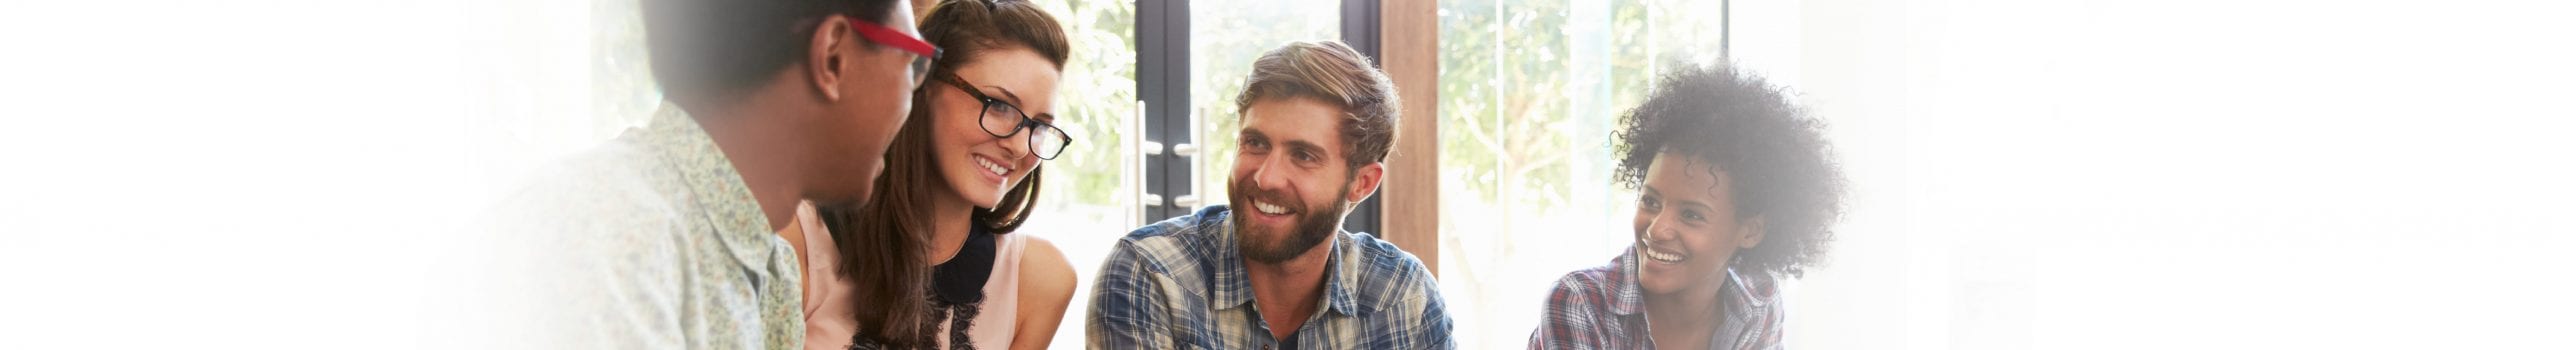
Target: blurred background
point(2026, 174)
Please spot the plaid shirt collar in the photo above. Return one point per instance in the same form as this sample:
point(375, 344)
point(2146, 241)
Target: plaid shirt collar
point(1750, 309)
point(1235, 290)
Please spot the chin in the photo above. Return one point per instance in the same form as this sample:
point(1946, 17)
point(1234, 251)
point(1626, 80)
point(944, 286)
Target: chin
point(1662, 287)
point(1657, 283)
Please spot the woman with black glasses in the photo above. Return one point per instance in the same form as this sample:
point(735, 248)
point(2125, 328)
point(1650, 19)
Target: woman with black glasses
point(932, 262)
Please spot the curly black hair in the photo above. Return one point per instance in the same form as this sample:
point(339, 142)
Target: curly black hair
point(1781, 166)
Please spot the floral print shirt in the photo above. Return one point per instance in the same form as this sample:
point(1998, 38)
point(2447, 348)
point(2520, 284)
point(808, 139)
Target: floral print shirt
point(652, 241)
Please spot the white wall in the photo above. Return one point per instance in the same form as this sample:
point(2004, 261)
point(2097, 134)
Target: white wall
point(2185, 174)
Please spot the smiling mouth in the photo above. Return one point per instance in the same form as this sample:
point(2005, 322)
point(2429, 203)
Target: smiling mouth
point(1270, 209)
point(1663, 256)
point(992, 167)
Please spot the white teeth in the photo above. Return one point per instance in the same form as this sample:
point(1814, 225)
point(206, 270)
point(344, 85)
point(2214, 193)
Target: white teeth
point(1658, 255)
point(991, 166)
point(1267, 208)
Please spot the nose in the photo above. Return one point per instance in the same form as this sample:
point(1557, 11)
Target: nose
point(1657, 231)
point(1264, 178)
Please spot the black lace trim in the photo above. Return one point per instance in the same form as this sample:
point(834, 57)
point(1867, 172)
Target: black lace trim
point(962, 316)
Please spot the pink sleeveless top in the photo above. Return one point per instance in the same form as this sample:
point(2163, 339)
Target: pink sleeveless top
point(828, 303)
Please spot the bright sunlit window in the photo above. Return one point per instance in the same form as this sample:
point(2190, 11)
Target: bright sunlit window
point(1529, 94)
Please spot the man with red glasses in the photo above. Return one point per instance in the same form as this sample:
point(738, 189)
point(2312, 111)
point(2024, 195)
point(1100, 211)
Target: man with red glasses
point(665, 237)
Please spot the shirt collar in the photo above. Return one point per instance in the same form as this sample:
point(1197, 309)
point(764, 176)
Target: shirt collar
point(705, 173)
point(1628, 297)
point(1234, 289)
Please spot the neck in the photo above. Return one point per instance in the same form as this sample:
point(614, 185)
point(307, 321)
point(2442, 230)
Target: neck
point(1288, 292)
point(761, 150)
point(1686, 319)
point(950, 219)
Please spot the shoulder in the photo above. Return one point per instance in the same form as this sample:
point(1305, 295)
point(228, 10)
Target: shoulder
point(614, 175)
point(1045, 270)
point(1188, 238)
point(1395, 287)
point(600, 212)
point(1590, 280)
point(1203, 222)
point(1585, 289)
point(1389, 277)
point(1378, 259)
point(609, 191)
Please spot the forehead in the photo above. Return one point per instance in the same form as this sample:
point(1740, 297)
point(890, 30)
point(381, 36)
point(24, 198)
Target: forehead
point(1016, 69)
point(1677, 176)
point(1296, 119)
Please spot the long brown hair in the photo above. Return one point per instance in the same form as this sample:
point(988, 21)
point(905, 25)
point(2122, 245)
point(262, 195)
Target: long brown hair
point(884, 244)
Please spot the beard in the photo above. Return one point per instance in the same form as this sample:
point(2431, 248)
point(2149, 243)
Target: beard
point(1312, 227)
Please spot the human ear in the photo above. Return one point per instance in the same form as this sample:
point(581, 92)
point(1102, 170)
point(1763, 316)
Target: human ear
point(829, 47)
point(1365, 181)
point(1752, 231)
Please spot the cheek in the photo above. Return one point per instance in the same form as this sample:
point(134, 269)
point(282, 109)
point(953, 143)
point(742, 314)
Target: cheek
point(955, 126)
point(1710, 241)
point(1639, 224)
point(1698, 239)
point(1245, 165)
point(1333, 187)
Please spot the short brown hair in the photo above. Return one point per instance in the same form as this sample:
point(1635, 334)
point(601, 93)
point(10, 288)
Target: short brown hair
point(1331, 72)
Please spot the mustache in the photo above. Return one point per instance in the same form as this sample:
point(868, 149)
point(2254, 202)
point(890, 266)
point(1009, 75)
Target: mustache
point(1257, 193)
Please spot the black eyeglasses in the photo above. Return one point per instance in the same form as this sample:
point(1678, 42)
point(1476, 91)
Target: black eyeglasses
point(1004, 120)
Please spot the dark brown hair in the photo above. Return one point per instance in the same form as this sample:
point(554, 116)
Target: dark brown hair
point(884, 244)
point(706, 51)
point(1333, 73)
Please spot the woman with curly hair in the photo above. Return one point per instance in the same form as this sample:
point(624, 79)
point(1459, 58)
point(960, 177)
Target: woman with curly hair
point(1738, 188)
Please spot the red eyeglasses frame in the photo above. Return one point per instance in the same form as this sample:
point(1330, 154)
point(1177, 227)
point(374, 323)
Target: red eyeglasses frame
point(882, 34)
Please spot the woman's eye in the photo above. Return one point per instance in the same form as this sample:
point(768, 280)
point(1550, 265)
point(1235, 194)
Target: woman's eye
point(1000, 107)
point(1648, 203)
point(1692, 216)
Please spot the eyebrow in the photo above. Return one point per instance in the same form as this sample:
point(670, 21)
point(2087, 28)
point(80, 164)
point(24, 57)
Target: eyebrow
point(1700, 205)
point(1684, 202)
point(1311, 146)
point(1017, 101)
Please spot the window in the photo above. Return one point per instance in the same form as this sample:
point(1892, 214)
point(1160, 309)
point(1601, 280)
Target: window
point(1087, 203)
point(1227, 37)
point(1529, 94)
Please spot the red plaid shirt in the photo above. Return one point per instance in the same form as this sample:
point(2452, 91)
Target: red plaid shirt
point(1603, 308)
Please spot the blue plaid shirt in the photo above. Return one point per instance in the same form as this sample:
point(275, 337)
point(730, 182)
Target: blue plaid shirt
point(1181, 284)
